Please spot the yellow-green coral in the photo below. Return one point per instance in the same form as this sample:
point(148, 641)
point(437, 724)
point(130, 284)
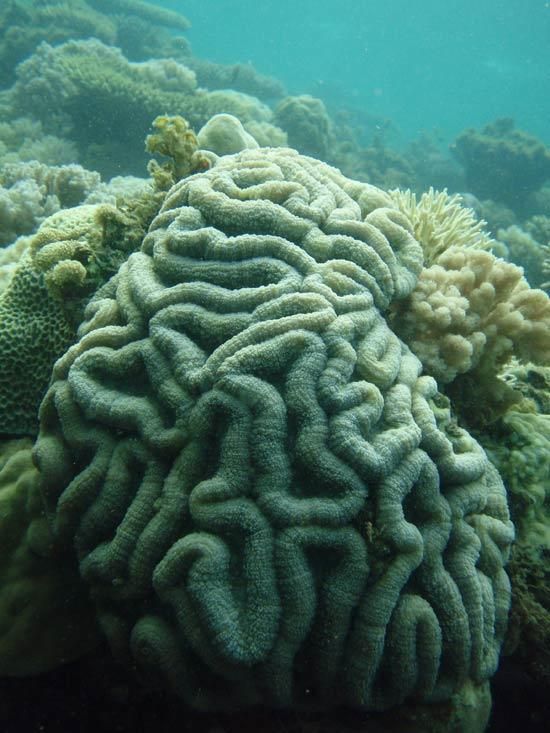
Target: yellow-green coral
point(69, 248)
point(72, 254)
point(45, 619)
point(520, 448)
point(177, 141)
point(34, 332)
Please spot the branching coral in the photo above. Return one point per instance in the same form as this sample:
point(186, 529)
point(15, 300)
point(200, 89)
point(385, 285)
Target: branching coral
point(469, 313)
point(441, 221)
point(175, 140)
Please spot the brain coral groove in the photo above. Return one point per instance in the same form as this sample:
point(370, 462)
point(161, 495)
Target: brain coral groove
point(264, 499)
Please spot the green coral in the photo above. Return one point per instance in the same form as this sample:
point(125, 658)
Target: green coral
point(72, 254)
point(45, 616)
point(263, 499)
point(108, 103)
point(503, 163)
point(34, 331)
point(519, 445)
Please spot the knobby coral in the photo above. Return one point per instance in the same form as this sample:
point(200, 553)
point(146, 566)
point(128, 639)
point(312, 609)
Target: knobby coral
point(469, 314)
point(263, 497)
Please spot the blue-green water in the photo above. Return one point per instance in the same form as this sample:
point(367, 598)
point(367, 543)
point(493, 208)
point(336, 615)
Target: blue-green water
point(433, 65)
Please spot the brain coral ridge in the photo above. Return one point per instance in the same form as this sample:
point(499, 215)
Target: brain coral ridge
point(264, 501)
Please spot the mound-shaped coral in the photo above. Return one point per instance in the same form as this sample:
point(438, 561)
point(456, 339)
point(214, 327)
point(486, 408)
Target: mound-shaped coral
point(45, 616)
point(503, 163)
point(307, 124)
point(264, 499)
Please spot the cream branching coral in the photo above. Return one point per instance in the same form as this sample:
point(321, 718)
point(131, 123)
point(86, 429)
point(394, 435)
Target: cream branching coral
point(441, 221)
point(472, 310)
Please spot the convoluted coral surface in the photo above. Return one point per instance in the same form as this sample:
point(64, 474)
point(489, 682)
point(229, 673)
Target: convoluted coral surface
point(267, 500)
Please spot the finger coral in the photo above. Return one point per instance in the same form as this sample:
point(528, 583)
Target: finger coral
point(267, 501)
point(468, 315)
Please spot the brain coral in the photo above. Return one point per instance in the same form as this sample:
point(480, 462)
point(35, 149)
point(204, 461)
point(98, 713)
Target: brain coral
point(264, 500)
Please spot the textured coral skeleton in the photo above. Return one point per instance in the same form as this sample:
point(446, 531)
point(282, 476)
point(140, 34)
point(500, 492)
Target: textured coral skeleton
point(268, 502)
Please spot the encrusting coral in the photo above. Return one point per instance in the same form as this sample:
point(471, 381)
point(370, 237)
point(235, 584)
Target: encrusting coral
point(46, 618)
point(265, 498)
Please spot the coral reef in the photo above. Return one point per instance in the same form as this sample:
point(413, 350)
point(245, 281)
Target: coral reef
point(175, 140)
point(71, 255)
point(503, 163)
point(266, 499)
point(46, 618)
point(106, 103)
point(139, 29)
point(224, 135)
point(519, 445)
point(23, 139)
point(469, 314)
point(441, 221)
point(34, 331)
point(524, 250)
point(240, 77)
point(29, 192)
point(306, 122)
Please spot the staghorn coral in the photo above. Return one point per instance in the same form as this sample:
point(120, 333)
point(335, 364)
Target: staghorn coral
point(469, 314)
point(263, 496)
point(46, 618)
point(441, 221)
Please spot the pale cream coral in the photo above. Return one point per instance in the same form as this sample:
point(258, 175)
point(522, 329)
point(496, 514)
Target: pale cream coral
point(441, 221)
point(472, 310)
